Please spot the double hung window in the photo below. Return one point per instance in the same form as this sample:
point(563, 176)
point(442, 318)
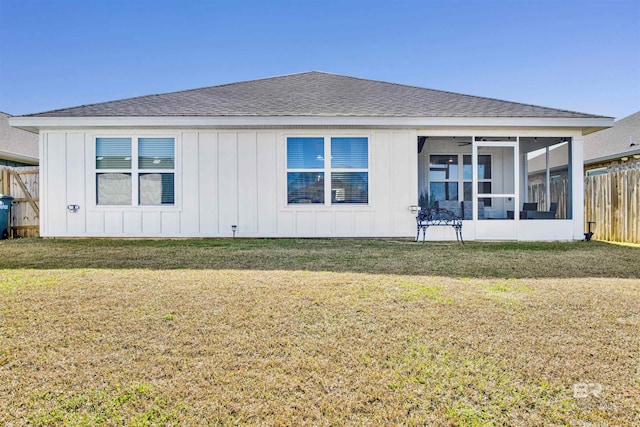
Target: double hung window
point(342, 178)
point(135, 171)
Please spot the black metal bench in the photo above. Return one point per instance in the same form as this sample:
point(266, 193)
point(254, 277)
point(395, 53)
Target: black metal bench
point(435, 217)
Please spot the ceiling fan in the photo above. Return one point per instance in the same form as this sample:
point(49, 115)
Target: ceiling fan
point(461, 143)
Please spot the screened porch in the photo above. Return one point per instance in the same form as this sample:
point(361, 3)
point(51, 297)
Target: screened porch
point(506, 178)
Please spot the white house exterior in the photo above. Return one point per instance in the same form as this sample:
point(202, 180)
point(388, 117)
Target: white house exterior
point(304, 155)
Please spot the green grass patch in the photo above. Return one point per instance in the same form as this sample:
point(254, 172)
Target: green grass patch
point(136, 405)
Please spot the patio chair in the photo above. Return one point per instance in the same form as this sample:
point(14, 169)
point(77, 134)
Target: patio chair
point(527, 208)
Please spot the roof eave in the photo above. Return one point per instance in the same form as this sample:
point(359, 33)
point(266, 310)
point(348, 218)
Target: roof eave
point(35, 124)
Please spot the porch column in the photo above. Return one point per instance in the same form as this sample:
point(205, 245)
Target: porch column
point(547, 182)
point(576, 170)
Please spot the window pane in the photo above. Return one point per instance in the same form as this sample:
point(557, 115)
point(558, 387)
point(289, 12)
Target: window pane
point(444, 190)
point(443, 167)
point(349, 153)
point(156, 189)
point(113, 153)
point(113, 188)
point(156, 153)
point(349, 187)
point(305, 153)
point(305, 187)
point(484, 167)
point(483, 188)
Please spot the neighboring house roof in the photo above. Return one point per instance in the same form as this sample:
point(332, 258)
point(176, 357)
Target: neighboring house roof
point(614, 142)
point(16, 144)
point(313, 94)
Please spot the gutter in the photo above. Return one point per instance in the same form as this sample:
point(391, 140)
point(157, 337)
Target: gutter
point(611, 157)
point(37, 123)
point(15, 157)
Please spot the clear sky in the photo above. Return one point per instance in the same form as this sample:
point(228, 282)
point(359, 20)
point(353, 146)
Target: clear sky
point(577, 55)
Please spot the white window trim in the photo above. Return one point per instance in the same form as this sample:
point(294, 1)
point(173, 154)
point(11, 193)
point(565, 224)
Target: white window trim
point(597, 171)
point(460, 178)
point(327, 170)
point(135, 173)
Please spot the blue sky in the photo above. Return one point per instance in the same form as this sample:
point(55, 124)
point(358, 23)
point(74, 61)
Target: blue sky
point(577, 55)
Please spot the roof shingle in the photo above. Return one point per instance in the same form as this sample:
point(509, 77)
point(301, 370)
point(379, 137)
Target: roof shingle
point(312, 94)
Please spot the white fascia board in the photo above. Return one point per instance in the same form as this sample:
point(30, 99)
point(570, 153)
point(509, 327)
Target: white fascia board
point(38, 123)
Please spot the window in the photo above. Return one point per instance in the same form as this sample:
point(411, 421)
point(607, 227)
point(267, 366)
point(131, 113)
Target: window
point(599, 171)
point(445, 180)
point(135, 171)
point(443, 177)
point(342, 180)
point(484, 178)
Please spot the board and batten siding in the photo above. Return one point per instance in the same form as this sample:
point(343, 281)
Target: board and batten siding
point(224, 178)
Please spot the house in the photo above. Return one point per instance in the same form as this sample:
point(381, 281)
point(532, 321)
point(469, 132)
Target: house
point(17, 147)
point(614, 148)
point(303, 155)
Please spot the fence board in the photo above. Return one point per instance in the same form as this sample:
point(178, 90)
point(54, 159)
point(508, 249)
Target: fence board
point(25, 221)
point(612, 200)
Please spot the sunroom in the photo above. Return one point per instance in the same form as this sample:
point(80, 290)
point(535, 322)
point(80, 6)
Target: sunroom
point(485, 180)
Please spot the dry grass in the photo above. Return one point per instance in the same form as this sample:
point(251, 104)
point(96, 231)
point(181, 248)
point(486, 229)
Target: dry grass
point(346, 332)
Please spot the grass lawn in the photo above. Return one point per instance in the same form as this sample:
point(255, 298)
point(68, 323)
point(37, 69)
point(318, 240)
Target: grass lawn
point(318, 332)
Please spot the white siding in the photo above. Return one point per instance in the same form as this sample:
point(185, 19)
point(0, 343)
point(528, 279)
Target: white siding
point(227, 182)
point(207, 167)
point(190, 188)
point(76, 194)
point(266, 209)
point(56, 184)
point(230, 177)
point(247, 184)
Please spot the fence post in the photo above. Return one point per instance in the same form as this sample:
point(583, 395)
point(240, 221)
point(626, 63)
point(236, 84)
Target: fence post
point(4, 180)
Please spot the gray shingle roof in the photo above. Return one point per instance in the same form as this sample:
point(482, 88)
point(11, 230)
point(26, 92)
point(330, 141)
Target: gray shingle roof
point(312, 94)
point(615, 141)
point(16, 141)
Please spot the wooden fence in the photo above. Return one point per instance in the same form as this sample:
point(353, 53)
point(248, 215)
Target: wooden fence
point(612, 200)
point(22, 183)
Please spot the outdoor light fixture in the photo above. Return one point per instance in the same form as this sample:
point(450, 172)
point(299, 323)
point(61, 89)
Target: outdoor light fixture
point(624, 159)
point(234, 228)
